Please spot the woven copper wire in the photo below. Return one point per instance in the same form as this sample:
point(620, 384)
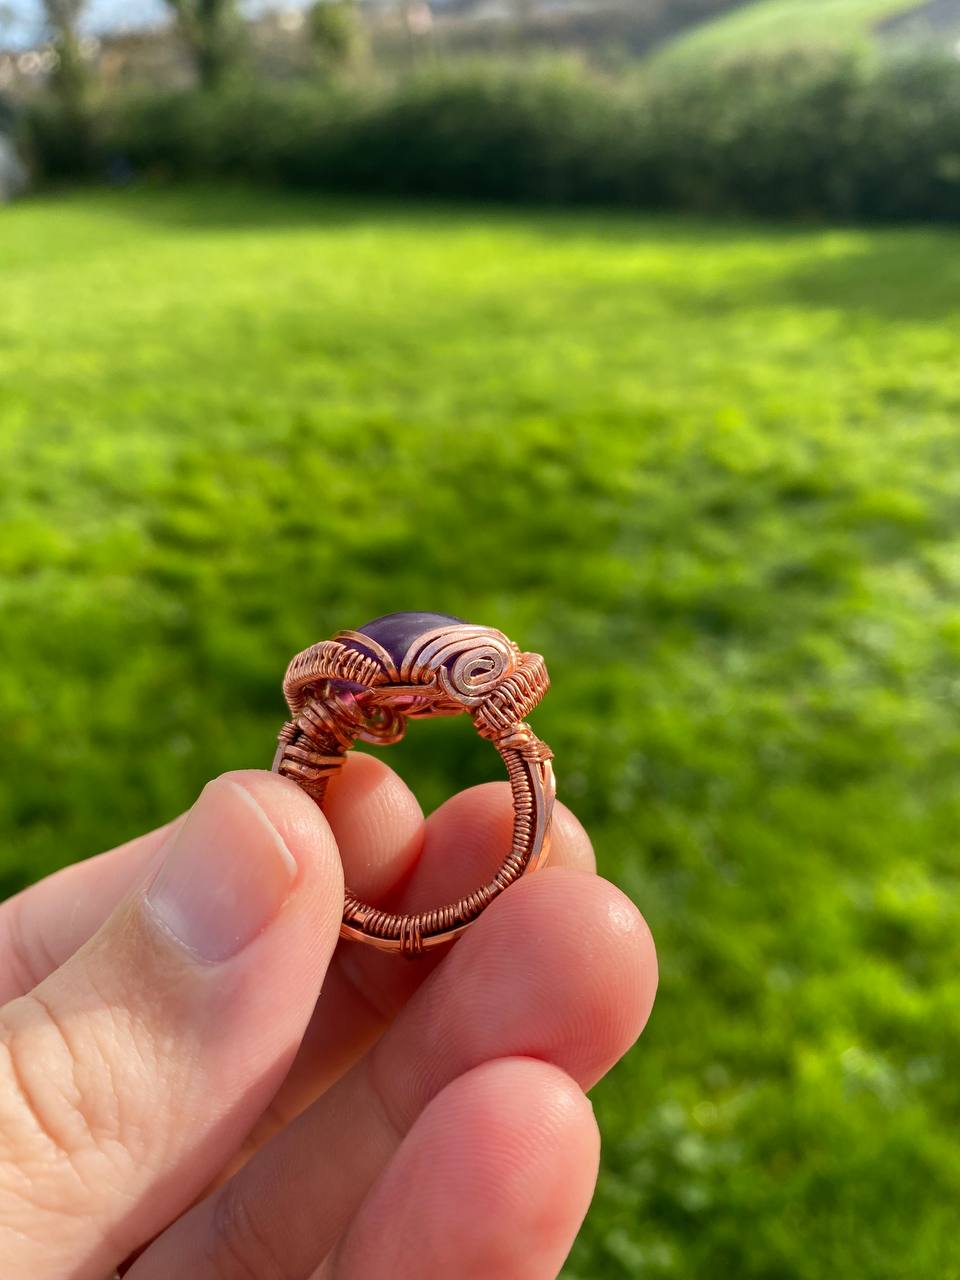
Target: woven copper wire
point(450, 669)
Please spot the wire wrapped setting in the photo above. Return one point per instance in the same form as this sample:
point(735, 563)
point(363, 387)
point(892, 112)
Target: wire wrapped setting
point(352, 687)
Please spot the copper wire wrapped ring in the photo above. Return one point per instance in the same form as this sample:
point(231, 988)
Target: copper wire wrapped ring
point(366, 684)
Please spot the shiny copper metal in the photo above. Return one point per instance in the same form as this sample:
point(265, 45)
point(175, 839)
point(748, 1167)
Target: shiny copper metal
point(351, 688)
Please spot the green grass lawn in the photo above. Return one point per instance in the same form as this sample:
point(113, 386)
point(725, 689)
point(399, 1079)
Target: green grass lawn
point(770, 25)
point(710, 471)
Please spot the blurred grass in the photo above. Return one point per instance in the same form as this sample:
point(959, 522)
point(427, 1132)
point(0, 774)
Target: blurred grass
point(709, 471)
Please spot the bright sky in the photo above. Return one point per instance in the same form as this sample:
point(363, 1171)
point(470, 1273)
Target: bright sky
point(21, 21)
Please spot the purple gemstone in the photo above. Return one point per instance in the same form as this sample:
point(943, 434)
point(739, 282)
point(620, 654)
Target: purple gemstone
point(397, 631)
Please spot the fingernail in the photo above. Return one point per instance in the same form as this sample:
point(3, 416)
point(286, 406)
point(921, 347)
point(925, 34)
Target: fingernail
point(226, 875)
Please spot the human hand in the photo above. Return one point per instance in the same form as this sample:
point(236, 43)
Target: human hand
point(172, 1083)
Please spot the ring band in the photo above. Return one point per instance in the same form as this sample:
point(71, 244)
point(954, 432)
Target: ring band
point(366, 684)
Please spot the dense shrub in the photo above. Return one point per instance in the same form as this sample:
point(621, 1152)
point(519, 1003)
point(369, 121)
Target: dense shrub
point(823, 135)
point(830, 135)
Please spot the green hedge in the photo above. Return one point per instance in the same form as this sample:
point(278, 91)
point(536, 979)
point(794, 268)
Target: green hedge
point(810, 135)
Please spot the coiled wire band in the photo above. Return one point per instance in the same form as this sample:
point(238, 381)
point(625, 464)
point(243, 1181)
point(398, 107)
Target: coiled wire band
point(338, 694)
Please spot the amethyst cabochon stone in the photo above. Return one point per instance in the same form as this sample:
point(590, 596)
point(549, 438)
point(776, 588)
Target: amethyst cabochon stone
point(397, 631)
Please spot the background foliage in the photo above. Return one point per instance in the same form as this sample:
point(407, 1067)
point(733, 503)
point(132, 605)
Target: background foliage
point(799, 134)
point(708, 470)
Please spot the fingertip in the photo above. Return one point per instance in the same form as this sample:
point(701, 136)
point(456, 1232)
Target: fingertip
point(555, 1132)
point(570, 844)
point(542, 1102)
point(580, 964)
point(503, 1161)
point(377, 823)
point(299, 822)
point(627, 923)
point(523, 1121)
point(613, 939)
point(626, 935)
point(468, 837)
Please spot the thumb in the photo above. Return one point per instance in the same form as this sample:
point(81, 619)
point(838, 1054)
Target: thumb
point(130, 1076)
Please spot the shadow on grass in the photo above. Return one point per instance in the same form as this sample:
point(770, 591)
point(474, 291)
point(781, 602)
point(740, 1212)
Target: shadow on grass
point(905, 274)
point(909, 274)
point(223, 207)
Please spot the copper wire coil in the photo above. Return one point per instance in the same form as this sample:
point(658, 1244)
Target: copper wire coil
point(338, 694)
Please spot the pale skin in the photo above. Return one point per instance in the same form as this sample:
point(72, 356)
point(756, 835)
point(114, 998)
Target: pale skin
point(173, 1089)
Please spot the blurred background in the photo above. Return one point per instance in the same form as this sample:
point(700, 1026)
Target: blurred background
point(630, 328)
